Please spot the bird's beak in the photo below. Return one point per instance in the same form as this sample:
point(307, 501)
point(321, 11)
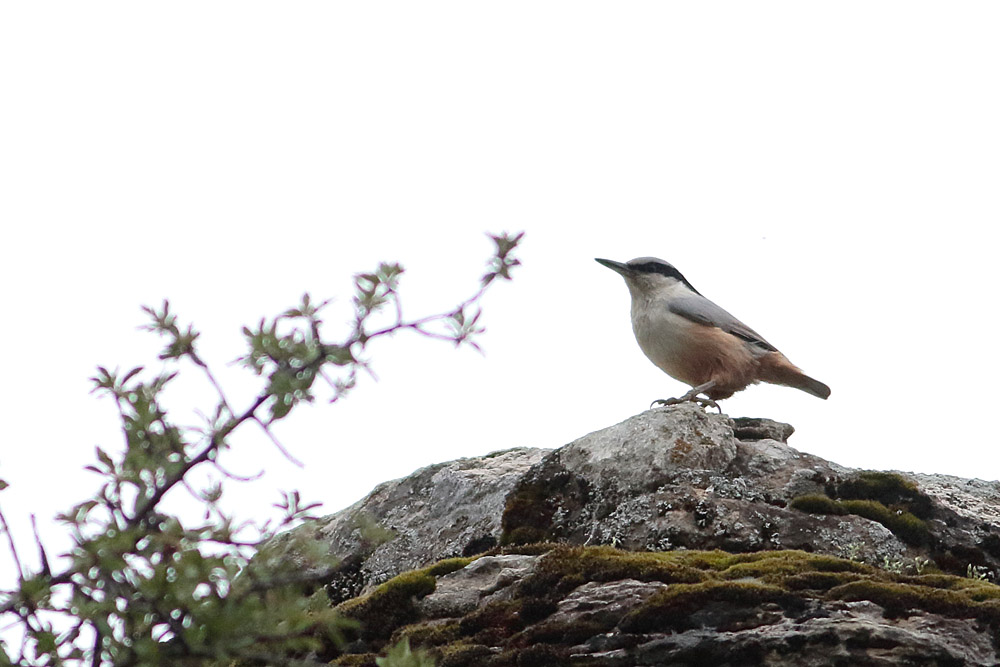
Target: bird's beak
point(617, 267)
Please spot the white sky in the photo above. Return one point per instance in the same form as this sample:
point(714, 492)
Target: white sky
point(828, 172)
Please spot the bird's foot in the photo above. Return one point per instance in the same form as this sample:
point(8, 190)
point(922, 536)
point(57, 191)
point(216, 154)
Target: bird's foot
point(690, 397)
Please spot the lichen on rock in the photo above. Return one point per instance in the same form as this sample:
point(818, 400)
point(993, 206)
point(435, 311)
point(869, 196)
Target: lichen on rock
point(677, 536)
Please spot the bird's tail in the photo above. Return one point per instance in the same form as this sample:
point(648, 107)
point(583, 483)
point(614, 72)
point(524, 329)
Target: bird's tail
point(810, 386)
point(782, 371)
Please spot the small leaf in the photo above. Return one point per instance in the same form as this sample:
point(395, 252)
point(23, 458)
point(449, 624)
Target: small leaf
point(131, 374)
point(104, 458)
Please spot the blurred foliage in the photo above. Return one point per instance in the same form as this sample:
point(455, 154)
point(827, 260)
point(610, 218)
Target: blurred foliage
point(402, 656)
point(142, 586)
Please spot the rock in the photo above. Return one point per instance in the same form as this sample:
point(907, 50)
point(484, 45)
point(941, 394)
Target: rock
point(572, 606)
point(668, 478)
point(752, 428)
point(602, 603)
point(729, 543)
point(443, 510)
point(485, 580)
point(856, 633)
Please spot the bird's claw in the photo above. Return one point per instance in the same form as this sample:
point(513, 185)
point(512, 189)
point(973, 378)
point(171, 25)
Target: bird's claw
point(688, 398)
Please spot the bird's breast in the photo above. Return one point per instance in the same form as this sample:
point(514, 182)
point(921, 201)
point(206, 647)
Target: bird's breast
point(690, 352)
point(668, 339)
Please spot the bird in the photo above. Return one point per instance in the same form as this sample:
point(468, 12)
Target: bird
point(693, 340)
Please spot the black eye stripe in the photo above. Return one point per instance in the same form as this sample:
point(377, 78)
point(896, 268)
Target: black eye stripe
point(663, 270)
point(656, 267)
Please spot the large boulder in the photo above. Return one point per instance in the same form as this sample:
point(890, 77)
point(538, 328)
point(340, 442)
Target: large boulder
point(677, 537)
point(668, 478)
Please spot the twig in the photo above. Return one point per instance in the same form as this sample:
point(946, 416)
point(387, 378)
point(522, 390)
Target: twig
point(416, 324)
point(211, 378)
point(13, 549)
point(46, 570)
point(239, 478)
point(217, 438)
point(276, 443)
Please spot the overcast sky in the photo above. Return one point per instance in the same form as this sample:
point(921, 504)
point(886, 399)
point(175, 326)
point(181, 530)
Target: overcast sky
point(827, 172)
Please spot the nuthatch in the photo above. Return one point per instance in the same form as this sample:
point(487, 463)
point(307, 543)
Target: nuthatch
point(695, 341)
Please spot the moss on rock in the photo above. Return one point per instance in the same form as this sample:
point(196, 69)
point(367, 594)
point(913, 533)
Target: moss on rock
point(532, 504)
point(388, 606)
point(886, 498)
point(899, 597)
point(464, 655)
point(887, 488)
point(725, 591)
point(356, 660)
point(604, 563)
point(816, 503)
point(903, 524)
point(448, 565)
point(674, 607)
point(433, 633)
point(778, 566)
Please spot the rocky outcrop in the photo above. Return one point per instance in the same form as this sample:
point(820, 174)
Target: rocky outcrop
point(599, 606)
point(443, 510)
point(725, 541)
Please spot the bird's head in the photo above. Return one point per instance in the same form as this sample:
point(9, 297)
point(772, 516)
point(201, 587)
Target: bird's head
point(648, 276)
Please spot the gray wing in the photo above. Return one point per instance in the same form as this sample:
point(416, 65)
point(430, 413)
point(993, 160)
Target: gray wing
point(702, 311)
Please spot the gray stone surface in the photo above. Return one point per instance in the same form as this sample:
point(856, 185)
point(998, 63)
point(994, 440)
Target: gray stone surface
point(443, 510)
point(852, 634)
point(668, 478)
point(487, 579)
point(603, 603)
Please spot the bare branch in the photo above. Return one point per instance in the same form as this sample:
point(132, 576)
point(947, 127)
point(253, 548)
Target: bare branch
point(211, 378)
point(42, 556)
point(13, 549)
point(217, 439)
point(267, 431)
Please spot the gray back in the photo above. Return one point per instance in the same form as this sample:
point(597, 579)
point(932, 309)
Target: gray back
point(699, 309)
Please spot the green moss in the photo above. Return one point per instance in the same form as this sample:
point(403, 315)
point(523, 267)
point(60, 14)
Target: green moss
point(887, 488)
point(820, 581)
point(714, 588)
point(530, 506)
point(904, 524)
point(973, 589)
point(527, 514)
point(564, 568)
point(501, 619)
point(884, 497)
point(494, 623)
point(427, 634)
point(672, 608)
point(570, 633)
point(703, 560)
point(899, 597)
point(943, 581)
point(390, 605)
point(448, 565)
point(408, 584)
point(464, 655)
point(529, 549)
point(777, 566)
point(816, 504)
point(356, 660)
point(523, 535)
point(530, 656)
